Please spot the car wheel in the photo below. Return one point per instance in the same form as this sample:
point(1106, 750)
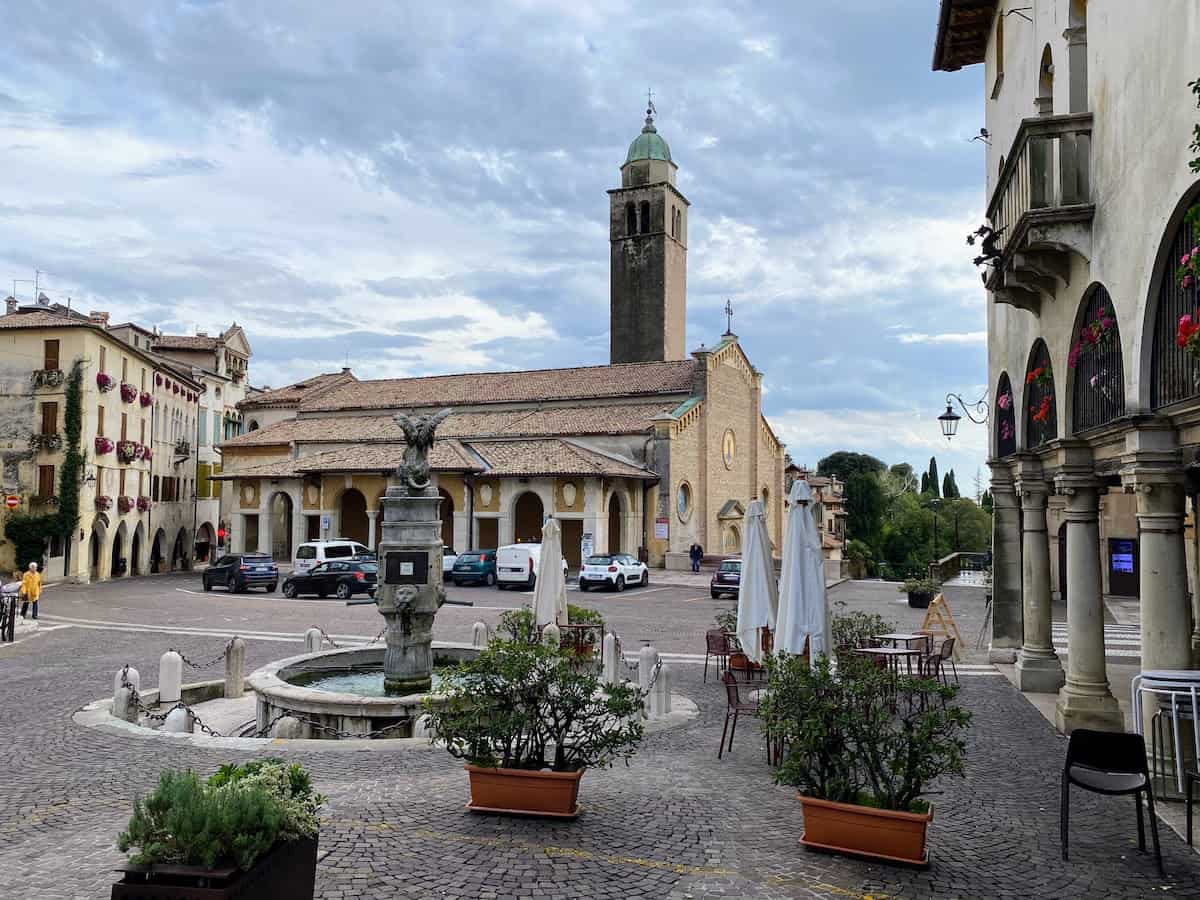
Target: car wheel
point(289, 590)
point(583, 587)
point(620, 585)
point(716, 595)
point(503, 587)
point(207, 584)
point(343, 591)
point(529, 586)
point(645, 577)
point(490, 579)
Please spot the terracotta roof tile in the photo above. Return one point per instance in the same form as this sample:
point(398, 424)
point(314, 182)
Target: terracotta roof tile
point(551, 457)
point(280, 468)
point(185, 342)
point(42, 319)
point(446, 456)
point(293, 394)
point(631, 379)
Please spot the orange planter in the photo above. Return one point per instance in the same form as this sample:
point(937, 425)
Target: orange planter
point(880, 833)
point(523, 792)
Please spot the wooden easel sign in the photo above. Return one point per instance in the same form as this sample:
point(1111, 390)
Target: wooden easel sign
point(939, 621)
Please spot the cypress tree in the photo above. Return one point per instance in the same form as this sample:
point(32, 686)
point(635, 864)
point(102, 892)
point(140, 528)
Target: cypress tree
point(933, 476)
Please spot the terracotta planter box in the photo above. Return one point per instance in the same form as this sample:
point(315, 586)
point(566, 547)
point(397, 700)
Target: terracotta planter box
point(920, 601)
point(524, 793)
point(864, 831)
point(287, 870)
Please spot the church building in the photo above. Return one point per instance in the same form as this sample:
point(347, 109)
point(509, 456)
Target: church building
point(646, 455)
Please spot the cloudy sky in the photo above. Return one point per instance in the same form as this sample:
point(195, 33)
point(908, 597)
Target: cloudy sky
point(420, 188)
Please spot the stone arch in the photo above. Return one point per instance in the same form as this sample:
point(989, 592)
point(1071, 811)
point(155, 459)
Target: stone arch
point(446, 510)
point(1174, 374)
point(630, 219)
point(731, 540)
point(615, 523)
point(137, 547)
point(1095, 368)
point(97, 548)
point(528, 514)
point(118, 560)
point(1005, 417)
point(645, 216)
point(206, 543)
point(180, 558)
point(1045, 96)
point(282, 512)
point(352, 516)
point(1039, 398)
point(252, 425)
point(158, 551)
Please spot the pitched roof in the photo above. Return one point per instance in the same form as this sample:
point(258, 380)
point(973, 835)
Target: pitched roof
point(446, 456)
point(551, 457)
point(622, 418)
point(624, 380)
point(279, 468)
point(293, 394)
point(186, 342)
point(45, 319)
point(963, 29)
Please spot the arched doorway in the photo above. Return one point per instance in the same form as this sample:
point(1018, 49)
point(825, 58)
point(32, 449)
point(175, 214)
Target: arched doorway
point(732, 541)
point(528, 518)
point(281, 527)
point(135, 550)
point(206, 543)
point(119, 561)
point(447, 511)
point(179, 557)
point(96, 548)
point(353, 517)
point(614, 523)
point(157, 549)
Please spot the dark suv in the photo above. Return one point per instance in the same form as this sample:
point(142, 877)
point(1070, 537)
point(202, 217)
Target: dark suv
point(727, 579)
point(239, 571)
point(343, 577)
point(474, 567)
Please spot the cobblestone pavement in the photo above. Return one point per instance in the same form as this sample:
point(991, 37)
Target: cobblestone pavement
point(676, 823)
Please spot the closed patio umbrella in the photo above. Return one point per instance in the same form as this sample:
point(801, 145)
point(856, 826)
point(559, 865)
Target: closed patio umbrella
point(550, 591)
point(803, 614)
point(758, 595)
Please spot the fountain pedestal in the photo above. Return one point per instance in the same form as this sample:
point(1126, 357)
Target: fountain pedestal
point(410, 585)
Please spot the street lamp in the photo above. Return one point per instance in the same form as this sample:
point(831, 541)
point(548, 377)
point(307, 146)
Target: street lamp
point(949, 419)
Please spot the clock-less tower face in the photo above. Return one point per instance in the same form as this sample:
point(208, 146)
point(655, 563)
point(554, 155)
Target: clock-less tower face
point(729, 448)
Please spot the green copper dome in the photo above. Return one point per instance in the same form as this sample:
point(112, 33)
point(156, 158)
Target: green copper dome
point(649, 144)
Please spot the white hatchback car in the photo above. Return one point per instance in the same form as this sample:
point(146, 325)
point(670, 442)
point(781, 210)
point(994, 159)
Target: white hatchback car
point(313, 553)
point(614, 571)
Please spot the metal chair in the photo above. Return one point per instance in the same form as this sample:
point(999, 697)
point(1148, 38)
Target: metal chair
point(734, 706)
point(1111, 763)
point(932, 665)
point(716, 644)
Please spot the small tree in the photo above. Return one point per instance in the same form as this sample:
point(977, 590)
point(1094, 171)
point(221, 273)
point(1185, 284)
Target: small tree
point(933, 477)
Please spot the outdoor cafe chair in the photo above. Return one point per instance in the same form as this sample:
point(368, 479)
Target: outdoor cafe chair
point(944, 654)
point(716, 644)
point(734, 706)
point(1111, 763)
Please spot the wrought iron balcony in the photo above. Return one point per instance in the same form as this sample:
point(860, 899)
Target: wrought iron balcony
point(1042, 208)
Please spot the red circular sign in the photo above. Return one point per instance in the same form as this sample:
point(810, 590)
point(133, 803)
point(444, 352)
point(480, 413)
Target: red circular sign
point(12, 501)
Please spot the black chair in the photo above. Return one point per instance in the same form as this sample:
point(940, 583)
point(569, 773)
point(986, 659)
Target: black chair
point(1111, 763)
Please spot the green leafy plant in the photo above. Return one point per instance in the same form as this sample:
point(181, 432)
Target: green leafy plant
point(523, 705)
point(855, 629)
point(518, 624)
point(929, 587)
point(234, 817)
point(726, 620)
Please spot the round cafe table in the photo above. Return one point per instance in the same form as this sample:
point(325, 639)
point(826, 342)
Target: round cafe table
point(892, 654)
point(1179, 688)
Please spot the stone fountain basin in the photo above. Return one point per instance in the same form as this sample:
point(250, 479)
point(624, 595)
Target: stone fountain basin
point(355, 715)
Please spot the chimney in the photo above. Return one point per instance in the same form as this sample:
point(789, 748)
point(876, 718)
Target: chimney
point(200, 333)
point(99, 318)
point(43, 300)
point(10, 305)
point(345, 370)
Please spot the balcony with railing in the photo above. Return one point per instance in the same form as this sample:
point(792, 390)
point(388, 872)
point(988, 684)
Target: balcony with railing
point(1042, 209)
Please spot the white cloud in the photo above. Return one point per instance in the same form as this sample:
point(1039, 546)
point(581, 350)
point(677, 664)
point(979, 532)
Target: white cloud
point(965, 337)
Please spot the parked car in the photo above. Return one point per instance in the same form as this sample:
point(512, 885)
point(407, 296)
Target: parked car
point(474, 567)
point(517, 565)
point(727, 579)
point(239, 571)
point(615, 571)
point(448, 558)
point(343, 577)
point(311, 553)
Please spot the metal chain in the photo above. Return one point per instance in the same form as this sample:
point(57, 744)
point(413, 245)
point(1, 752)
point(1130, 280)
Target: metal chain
point(327, 729)
point(204, 665)
point(325, 636)
point(146, 712)
point(375, 640)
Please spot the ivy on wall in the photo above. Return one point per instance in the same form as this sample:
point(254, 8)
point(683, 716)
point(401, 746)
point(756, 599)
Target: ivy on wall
point(29, 533)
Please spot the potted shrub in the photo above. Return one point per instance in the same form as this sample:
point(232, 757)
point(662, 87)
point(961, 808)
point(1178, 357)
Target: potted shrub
point(145, 399)
point(528, 722)
point(103, 445)
point(582, 641)
point(128, 392)
point(921, 591)
point(855, 629)
point(105, 382)
point(862, 745)
point(248, 831)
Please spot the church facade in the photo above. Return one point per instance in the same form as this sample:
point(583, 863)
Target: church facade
point(657, 450)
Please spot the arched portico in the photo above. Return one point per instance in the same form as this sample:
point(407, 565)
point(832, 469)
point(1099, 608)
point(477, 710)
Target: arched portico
point(119, 561)
point(527, 516)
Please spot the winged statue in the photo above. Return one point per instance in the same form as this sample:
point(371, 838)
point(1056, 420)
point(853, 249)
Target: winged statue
point(418, 437)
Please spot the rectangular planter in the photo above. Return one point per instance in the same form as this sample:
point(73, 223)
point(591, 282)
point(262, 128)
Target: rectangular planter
point(862, 830)
point(287, 870)
point(523, 792)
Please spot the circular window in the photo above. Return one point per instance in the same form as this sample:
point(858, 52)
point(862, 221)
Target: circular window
point(683, 501)
point(728, 448)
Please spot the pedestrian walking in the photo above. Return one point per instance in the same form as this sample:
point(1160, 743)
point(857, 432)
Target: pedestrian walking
point(31, 589)
point(696, 553)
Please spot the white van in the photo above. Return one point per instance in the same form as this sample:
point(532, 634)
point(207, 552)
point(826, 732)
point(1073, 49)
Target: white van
point(315, 552)
point(517, 565)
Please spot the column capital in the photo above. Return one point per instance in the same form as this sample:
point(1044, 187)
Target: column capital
point(1002, 477)
point(1082, 492)
point(1076, 36)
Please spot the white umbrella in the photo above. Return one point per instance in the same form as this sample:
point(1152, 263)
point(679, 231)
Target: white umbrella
point(758, 594)
point(550, 591)
point(803, 613)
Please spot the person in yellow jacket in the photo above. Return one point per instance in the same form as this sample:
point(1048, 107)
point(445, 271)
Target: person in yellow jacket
point(31, 589)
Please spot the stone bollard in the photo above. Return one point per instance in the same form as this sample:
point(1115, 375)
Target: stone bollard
point(235, 669)
point(660, 694)
point(179, 721)
point(479, 635)
point(170, 678)
point(123, 706)
point(312, 640)
point(288, 728)
point(610, 659)
point(551, 635)
point(647, 661)
point(421, 728)
point(131, 675)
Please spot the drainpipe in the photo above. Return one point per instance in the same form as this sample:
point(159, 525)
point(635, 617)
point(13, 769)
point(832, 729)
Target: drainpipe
point(153, 461)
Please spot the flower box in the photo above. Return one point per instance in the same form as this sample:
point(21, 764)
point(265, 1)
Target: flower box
point(143, 503)
point(46, 500)
point(145, 399)
point(183, 448)
point(158, 379)
point(128, 392)
point(865, 831)
point(524, 792)
point(48, 377)
point(105, 382)
point(289, 870)
point(124, 504)
point(175, 388)
point(139, 450)
point(103, 503)
point(126, 451)
point(50, 442)
point(146, 452)
point(103, 445)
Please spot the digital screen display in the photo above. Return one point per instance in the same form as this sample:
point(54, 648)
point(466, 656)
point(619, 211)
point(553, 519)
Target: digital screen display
point(1121, 556)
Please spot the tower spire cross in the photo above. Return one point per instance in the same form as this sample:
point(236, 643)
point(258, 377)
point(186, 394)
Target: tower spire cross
point(728, 316)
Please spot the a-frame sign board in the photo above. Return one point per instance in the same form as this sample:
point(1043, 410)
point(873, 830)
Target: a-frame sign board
point(939, 621)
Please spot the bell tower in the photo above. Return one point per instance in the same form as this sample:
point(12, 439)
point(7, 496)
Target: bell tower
point(648, 265)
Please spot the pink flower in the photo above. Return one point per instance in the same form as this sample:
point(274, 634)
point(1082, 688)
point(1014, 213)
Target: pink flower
point(1073, 356)
point(1106, 323)
point(1183, 260)
point(1004, 401)
point(1185, 319)
point(1195, 251)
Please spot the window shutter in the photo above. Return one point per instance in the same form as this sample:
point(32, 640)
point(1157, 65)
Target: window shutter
point(51, 355)
point(50, 418)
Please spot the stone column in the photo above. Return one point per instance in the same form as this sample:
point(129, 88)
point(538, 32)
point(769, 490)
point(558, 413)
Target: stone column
point(1195, 571)
point(1007, 616)
point(1038, 666)
point(372, 514)
point(237, 543)
point(1085, 701)
point(264, 522)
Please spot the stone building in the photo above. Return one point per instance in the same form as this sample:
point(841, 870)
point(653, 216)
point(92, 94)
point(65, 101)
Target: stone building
point(829, 509)
point(656, 450)
point(1088, 116)
point(137, 512)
